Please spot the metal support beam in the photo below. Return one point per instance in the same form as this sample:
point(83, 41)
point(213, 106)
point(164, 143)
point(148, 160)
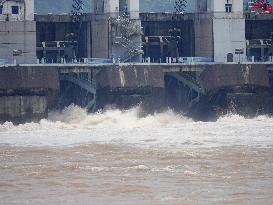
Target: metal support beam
point(90, 87)
point(87, 85)
point(187, 82)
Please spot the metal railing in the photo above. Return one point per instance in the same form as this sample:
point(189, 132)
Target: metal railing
point(146, 60)
point(75, 61)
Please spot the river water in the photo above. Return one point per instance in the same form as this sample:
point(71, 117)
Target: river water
point(119, 158)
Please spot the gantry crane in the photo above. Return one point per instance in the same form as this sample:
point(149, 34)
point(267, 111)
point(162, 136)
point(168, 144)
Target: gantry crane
point(260, 7)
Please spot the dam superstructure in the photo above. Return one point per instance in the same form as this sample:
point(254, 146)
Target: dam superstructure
point(198, 63)
point(17, 31)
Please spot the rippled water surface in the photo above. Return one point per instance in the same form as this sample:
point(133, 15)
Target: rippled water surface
point(120, 158)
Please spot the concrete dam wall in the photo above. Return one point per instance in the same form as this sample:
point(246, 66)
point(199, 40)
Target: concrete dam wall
point(118, 86)
point(202, 91)
point(128, 86)
point(27, 92)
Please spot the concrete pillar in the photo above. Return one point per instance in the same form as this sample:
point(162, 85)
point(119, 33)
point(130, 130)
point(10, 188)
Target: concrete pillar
point(201, 6)
point(88, 40)
point(203, 36)
point(262, 53)
point(133, 8)
point(29, 4)
point(59, 56)
point(147, 48)
point(161, 48)
point(228, 28)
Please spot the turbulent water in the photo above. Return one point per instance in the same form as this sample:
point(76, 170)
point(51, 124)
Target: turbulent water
point(117, 157)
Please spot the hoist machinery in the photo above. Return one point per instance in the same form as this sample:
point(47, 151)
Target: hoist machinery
point(260, 7)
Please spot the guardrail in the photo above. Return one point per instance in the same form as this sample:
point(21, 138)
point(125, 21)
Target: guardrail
point(75, 61)
point(145, 61)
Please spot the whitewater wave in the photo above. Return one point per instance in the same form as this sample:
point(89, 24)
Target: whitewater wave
point(74, 126)
point(132, 118)
point(73, 117)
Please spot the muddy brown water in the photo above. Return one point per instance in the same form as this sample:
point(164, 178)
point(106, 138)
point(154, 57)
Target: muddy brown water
point(119, 158)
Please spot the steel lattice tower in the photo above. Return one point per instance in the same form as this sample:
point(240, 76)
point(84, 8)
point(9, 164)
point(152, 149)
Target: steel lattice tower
point(180, 6)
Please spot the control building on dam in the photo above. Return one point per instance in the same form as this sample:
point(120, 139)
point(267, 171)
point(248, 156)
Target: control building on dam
point(212, 31)
point(199, 63)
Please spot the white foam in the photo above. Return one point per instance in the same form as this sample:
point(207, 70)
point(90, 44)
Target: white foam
point(77, 116)
point(74, 126)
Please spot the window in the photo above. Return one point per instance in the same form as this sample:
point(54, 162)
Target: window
point(1, 9)
point(15, 10)
point(228, 8)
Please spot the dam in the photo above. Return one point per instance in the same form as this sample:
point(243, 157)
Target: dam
point(116, 56)
point(202, 90)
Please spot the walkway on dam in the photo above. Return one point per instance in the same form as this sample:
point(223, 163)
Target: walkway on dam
point(167, 67)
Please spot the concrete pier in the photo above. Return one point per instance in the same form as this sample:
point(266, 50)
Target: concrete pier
point(127, 86)
point(26, 92)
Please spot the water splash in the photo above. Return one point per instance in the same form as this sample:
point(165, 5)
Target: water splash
point(74, 115)
point(74, 126)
